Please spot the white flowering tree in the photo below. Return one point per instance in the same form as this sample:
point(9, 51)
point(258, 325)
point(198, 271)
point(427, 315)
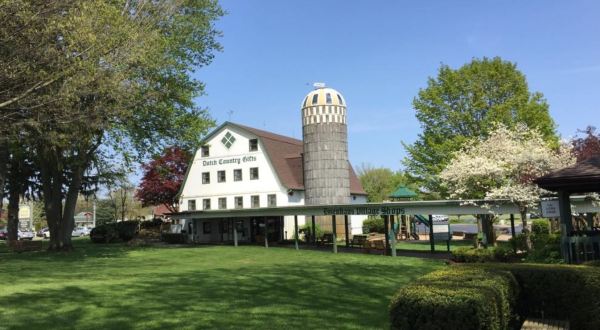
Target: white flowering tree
point(503, 166)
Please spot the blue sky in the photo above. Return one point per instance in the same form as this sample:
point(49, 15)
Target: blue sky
point(378, 54)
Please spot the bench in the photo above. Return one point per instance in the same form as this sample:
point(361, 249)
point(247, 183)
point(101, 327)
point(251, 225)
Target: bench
point(23, 246)
point(470, 236)
point(358, 241)
point(326, 239)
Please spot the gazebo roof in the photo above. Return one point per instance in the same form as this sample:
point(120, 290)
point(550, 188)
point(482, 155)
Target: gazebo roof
point(403, 192)
point(581, 177)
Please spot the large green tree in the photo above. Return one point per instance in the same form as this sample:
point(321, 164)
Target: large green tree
point(380, 182)
point(463, 104)
point(90, 82)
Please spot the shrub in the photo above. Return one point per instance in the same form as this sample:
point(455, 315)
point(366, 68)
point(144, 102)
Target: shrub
point(106, 233)
point(154, 223)
point(546, 249)
point(173, 238)
point(469, 254)
point(307, 230)
point(560, 292)
point(127, 229)
point(373, 225)
point(540, 227)
point(460, 297)
point(519, 242)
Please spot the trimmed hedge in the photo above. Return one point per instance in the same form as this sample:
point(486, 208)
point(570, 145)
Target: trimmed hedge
point(562, 292)
point(477, 255)
point(115, 231)
point(457, 298)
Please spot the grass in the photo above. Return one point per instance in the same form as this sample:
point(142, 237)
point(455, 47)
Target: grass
point(249, 287)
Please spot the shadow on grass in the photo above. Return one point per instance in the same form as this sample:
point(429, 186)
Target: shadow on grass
point(320, 295)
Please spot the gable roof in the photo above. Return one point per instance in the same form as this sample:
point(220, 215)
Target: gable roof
point(581, 177)
point(285, 154)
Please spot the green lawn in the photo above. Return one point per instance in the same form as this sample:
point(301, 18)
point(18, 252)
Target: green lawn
point(116, 287)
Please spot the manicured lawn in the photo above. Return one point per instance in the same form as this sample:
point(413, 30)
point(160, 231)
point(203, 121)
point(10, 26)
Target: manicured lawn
point(117, 287)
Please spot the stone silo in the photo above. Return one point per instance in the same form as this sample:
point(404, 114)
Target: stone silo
point(325, 135)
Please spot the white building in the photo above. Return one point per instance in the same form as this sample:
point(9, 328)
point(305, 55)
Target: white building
point(243, 167)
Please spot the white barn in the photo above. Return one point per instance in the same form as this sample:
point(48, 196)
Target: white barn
point(243, 167)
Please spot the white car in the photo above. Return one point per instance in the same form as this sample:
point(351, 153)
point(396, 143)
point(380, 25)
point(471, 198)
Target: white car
point(78, 232)
point(25, 234)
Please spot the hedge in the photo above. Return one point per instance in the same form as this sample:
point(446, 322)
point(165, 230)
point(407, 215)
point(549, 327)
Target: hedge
point(499, 296)
point(470, 255)
point(114, 231)
point(457, 298)
point(562, 292)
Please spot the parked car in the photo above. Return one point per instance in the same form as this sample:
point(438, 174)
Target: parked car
point(78, 232)
point(25, 234)
point(41, 232)
point(3, 233)
point(47, 234)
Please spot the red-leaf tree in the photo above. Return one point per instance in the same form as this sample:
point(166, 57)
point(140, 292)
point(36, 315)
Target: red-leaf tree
point(163, 176)
point(587, 146)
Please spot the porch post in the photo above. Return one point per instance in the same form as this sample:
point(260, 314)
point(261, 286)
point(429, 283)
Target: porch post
point(566, 224)
point(266, 233)
point(314, 230)
point(393, 243)
point(386, 231)
point(346, 229)
point(431, 240)
point(296, 231)
point(235, 238)
point(333, 226)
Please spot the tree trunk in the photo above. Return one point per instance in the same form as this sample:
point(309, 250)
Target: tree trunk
point(525, 230)
point(4, 158)
point(13, 215)
point(487, 227)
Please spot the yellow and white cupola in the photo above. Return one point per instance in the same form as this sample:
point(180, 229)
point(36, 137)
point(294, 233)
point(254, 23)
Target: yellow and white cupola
point(323, 105)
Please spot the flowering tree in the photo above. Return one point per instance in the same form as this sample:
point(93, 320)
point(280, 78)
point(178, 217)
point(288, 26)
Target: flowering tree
point(587, 146)
point(503, 166)
point(163, 177)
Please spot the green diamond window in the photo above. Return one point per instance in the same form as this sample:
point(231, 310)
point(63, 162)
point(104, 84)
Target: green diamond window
point(228, 140)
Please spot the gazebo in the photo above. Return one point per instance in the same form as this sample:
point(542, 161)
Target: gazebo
point(402, 193)
point(583, 177)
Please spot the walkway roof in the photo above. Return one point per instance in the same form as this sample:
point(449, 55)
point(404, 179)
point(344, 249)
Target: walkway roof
point(447, 207)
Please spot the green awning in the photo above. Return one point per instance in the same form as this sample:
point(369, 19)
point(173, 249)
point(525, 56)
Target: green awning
point(403, 192)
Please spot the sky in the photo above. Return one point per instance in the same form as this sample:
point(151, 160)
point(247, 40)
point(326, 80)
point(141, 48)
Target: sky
point(378, 54)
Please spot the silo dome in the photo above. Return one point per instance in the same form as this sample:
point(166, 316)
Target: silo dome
point(323, 96)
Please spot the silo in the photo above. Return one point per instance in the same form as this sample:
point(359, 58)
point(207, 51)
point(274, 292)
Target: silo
point(325, 135)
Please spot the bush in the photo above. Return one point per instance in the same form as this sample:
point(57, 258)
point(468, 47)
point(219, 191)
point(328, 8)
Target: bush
point(456, 298)
point(154, 223)
point(127, 229)
point(106, 233)
point(373, 225)
point(519, 242)
point(559, 292)
point(173, 238)
point(540, 227)
point(546, 249)
point(307, 231)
